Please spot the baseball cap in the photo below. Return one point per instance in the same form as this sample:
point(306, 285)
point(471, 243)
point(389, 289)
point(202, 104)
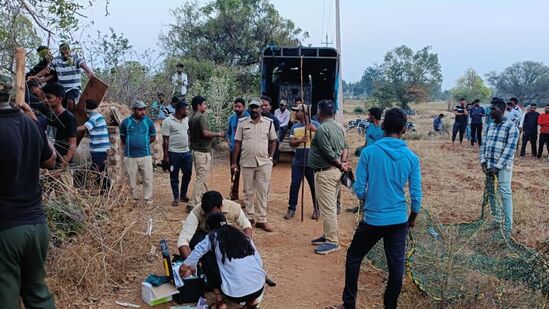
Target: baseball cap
point(283, 103)
point(301, 107)
point(180, 104)
point(254, 102)
point(138, 104)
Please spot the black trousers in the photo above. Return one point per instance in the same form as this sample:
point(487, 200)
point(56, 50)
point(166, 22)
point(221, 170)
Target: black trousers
point(394, 243)
point(458, 127)
point(476, 134)
point(543, 140)
point(209, 263)
point(532, 138)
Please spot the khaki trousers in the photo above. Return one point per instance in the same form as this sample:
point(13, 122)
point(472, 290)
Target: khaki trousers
point(326, 187)
point(256, 191)
point(144, 167)
point(202, 162)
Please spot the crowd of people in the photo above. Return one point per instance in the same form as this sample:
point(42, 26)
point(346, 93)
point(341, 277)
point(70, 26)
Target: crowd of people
point(472, 120)
point(218, 231)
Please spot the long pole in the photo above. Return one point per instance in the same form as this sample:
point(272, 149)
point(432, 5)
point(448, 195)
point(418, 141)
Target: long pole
point(19, 76)
point(304, 144)
point(339, 113)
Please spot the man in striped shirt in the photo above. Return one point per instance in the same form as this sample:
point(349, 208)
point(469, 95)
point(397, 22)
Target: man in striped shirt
point(99, 140)
point(496, 157)
point(67, 66)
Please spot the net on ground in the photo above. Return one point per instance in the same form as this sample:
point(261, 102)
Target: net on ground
point(467, 262)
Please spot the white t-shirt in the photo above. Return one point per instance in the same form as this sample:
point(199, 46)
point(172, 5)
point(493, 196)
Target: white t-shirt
point(283, 117)
point(239, 277)
point(177, 130)
point(180, 83)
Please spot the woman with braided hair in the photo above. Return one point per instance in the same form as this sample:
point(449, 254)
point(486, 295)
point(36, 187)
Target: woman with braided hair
point(240, 266)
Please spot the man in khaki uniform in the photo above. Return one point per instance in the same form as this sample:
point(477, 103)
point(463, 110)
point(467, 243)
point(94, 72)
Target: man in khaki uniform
point(201, 145)
point(256, 138)
point(327, 158)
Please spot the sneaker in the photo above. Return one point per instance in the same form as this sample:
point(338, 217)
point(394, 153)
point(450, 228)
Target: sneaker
point(185, 199)
point(290, 214)
point(319, 241)
point(315, 215)
point(326, 248)
point(175, 203)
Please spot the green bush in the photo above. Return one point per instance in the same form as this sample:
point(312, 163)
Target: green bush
point(358, 110)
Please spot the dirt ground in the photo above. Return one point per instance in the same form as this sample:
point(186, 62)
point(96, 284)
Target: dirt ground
point(452, 184)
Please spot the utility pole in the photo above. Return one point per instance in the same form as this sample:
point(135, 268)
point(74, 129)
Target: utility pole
point(326, 42)
point(339, 113)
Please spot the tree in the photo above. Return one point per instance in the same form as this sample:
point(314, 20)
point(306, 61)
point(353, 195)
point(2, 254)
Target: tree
point(228, 32)
point(16, 30)
point(471, 86)
point(409, 76)
point(20, 20)
point(527, 80)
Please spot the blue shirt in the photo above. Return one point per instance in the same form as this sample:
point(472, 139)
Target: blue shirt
point(302, 153)
point(381, 175)
point(373, 134)
point(99, 134)
point(437, 124)
point(165, 111)
point(137, 134)
point(476, 114)
point(231, 128)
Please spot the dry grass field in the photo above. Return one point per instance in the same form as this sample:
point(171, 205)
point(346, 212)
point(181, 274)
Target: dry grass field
point(101, 266)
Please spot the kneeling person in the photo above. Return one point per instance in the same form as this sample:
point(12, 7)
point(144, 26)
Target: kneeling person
point(240, 265)
point(194, 230)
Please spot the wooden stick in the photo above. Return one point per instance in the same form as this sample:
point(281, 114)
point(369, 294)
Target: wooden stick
point(304, 145)
point(19, 76)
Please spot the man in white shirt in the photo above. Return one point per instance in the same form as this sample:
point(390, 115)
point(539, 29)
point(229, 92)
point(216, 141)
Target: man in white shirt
point(180, 81)
point(283, 115)
point(177, 155)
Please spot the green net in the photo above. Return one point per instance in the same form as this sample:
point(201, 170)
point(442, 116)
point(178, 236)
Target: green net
point(467, 262)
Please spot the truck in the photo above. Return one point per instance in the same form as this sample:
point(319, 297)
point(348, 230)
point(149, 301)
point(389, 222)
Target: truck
point(309, 73)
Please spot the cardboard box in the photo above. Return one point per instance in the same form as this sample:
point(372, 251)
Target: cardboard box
point(157, 295)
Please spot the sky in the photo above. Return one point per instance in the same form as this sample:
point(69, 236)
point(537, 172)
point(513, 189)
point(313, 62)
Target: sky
point(486, 35)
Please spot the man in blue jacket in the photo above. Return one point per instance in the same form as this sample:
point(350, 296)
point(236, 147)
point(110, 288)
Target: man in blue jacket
point(383, 171)
point(239, 112)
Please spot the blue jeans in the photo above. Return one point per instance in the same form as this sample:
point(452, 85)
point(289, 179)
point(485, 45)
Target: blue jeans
point(504, 189)
point(297, 178)
point(180, 161)
point(394, 244)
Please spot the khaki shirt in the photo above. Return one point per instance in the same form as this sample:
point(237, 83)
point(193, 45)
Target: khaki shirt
point(255, 138)
point(197, 221)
